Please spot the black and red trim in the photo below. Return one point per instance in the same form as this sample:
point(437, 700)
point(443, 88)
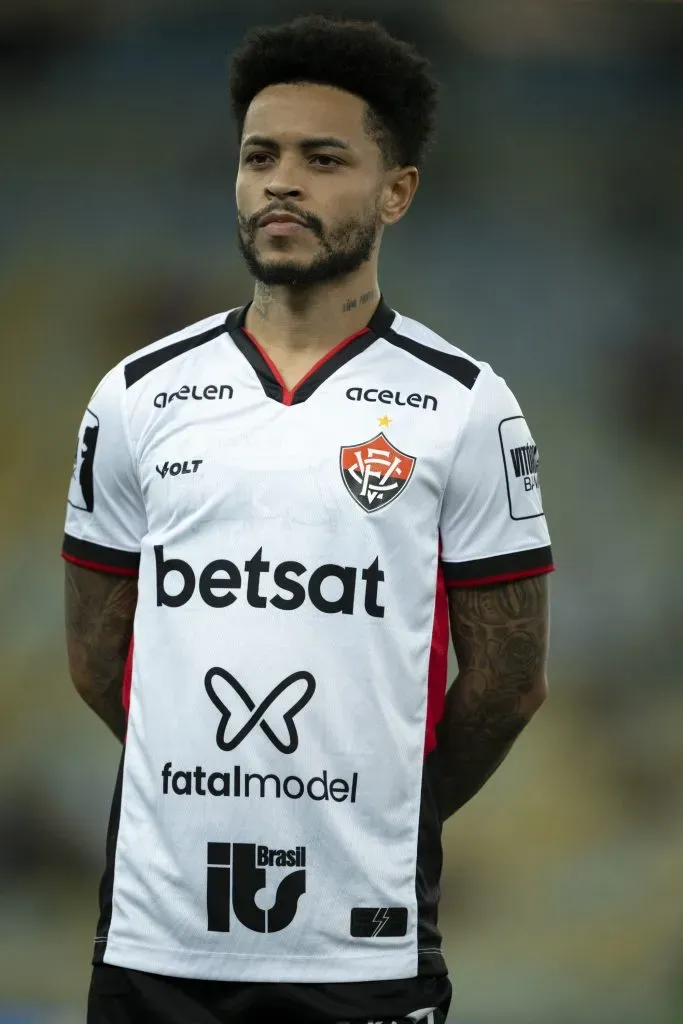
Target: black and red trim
point(437, 678)
point(96, 556)
point(268, 374)
point(140, 367)
point(499, 569)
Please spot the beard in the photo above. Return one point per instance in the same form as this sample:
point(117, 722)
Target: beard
point(342, 250)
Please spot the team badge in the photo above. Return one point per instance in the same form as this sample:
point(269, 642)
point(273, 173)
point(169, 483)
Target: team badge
point(82, 487)
point(375, 472)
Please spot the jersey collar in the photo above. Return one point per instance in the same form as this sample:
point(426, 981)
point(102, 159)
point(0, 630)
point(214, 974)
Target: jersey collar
point(267, 372)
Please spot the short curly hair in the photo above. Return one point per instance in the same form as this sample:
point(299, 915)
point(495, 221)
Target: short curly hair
point(360, 57)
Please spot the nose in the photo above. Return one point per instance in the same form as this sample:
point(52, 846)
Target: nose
point(281, 190)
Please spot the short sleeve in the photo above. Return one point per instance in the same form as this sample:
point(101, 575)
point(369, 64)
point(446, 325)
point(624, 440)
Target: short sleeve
point(492, 523)
point(105, 519)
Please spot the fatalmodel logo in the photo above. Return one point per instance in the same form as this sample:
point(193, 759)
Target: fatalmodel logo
point(275, 718)
point(236, 872)
point(281, 705)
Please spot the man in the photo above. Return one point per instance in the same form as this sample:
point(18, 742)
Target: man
point(299, 484)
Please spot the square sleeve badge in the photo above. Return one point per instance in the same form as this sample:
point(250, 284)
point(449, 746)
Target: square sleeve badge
point(81, 490)
point(520, 458)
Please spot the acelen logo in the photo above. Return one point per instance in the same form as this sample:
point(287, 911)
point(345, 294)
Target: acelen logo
point(330, 588)
point(236, 874)
point(211, 393)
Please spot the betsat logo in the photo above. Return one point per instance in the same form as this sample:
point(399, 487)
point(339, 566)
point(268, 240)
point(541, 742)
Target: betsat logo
point(331, 588)
point(237, 872)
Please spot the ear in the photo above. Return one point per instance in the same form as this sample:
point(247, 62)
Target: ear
point(398, 192)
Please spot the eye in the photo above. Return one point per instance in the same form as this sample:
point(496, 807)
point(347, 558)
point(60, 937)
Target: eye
point(259, 159)
point(326, 161)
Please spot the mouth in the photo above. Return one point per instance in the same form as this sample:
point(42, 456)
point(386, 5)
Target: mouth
point(280, 228)
point(281, 218)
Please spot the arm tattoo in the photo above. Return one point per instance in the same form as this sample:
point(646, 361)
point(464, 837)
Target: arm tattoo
point(99, 624)
point(500, 635)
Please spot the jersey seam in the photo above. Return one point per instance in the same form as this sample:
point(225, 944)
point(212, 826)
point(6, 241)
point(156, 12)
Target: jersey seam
point(423, 364)
point(495, 554)
point(249, 956)
point(456, 449)
point(133, 455)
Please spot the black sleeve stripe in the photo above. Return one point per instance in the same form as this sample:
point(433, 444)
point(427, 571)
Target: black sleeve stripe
point(461, 369)
point(141, 366)
point(84, 552)
point(484, 570)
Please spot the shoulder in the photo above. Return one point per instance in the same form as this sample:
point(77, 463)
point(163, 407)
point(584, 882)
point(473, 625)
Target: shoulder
point(486, 387)
point(138, 364)
point(425, 345)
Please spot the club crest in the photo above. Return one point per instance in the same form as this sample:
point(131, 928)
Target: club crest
point(375, 472)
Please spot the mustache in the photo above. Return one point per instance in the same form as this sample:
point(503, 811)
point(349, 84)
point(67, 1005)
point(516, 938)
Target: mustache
point(250, 224)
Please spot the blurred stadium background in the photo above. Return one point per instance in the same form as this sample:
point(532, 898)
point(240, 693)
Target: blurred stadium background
point(547, 238)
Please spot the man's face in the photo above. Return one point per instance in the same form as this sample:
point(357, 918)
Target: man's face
point(305, 153)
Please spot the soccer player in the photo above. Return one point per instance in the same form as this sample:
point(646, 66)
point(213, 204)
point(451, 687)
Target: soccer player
point(273, 515)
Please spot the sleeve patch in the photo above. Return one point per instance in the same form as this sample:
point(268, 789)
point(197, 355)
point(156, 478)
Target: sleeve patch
point(81, 489)
point(520, 458)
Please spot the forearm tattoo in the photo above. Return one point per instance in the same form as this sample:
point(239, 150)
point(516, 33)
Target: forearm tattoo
point(99, 624)
point(500, 635)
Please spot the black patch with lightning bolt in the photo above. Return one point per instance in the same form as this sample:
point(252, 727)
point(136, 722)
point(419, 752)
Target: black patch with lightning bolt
point(379, 922)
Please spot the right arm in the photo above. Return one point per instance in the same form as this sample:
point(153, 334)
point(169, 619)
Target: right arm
point(105, 524)
point(99, 624)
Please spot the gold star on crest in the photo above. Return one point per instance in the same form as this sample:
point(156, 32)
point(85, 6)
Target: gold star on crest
point(384, 421)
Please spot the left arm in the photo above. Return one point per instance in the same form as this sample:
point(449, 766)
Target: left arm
point(500, 635)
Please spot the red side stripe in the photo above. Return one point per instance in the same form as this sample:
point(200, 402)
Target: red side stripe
point(438, 664)
point(503, 578)
point(115, 570)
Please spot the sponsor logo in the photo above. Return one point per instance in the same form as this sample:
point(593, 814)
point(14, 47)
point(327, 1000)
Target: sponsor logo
point(239, 718)
point(525, 464)
point(211, 393)
point(236, 874)
point(282, 704)
point(387, 397)
point(239, 784)
point(375, 472)
point(82, 490)
point(520, 459)
point(375, 922)
point(330, 588)
point(179, 468)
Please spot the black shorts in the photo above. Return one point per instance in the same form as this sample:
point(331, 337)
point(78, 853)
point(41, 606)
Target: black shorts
point(122, 996)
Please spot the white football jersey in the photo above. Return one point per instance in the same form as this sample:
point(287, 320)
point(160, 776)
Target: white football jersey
point(275, 816)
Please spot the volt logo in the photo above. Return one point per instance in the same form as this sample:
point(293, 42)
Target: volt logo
point(176, 468)
point(236, 872)
point(281, 705)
